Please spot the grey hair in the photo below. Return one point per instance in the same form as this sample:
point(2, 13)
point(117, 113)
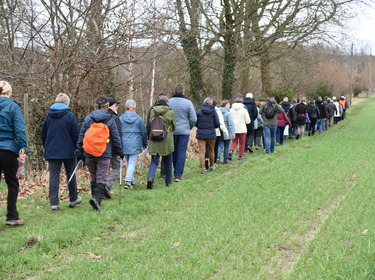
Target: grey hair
point(130, 104)
point(162, 98)
point(208, 100)
point(5, 88)
point(63, 98)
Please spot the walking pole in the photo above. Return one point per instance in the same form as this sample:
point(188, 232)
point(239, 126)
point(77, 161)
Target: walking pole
point(71, 177)
point(120, 187)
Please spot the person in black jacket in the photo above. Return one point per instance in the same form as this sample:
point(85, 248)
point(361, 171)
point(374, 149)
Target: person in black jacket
point(99, 165)
point(59, 135)
point(115, 160)
point(323, 114)
point(207, 121)
point(251, 107)
point(313, 115)
point(301, 117)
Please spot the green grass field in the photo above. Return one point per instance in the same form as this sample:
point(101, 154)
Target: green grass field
point(305, 212)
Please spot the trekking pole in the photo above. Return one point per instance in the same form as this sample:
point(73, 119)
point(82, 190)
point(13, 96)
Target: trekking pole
point(120, 180)
point(71, 177)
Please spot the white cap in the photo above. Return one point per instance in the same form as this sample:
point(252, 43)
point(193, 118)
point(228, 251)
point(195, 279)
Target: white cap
point(249, 95)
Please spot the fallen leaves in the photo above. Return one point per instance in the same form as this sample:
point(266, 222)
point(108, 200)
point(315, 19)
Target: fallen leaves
point(93, 256)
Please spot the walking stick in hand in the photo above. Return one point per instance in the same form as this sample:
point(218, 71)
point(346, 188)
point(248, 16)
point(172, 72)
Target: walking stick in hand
point(120, 187)
point(71, 177)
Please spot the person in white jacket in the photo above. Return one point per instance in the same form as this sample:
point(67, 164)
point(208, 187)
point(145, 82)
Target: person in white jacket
point(240, 118)
point(221, 132)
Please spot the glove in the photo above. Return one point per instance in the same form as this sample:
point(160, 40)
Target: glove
point(81, 158)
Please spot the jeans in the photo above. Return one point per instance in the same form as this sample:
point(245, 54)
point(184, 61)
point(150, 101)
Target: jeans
point(259, 136)
point(115, 163)
point(280, 134)
point(270, 137)
point(9, 164)
point(250, 135)
point(319, 125)
point(223, 145)
point(54, 179)
point(179, 155)
point(131, 161)
point(167, 167)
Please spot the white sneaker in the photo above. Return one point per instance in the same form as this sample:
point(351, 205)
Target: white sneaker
point(74, 203)
point(55, 207)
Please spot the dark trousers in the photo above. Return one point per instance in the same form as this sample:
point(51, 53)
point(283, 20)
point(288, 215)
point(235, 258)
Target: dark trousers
point(250, 135)
point(9, 164)
point(167, 167)
point(54, 179)
point(99, 175)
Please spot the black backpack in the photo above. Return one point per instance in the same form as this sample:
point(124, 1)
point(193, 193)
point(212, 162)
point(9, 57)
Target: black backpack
point(158, 132)
point(270, 110)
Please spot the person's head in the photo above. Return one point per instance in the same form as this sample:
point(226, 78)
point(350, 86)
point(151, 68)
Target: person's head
point(303, 100)
point(130, 104)
point(249, 95)
point(312, 101)
point(259, 104)
point(334, 98)
point(162, 99)
point(5, 89)
point(285, 99)
point(239, 100)
point(225, 103)
point(179, 89)
point(238, 95)
point(328, 99)
point(102, 103)
point(208, 100)
point(320, 98)
point(113, 104)
point(271, 96)
point(63, 98)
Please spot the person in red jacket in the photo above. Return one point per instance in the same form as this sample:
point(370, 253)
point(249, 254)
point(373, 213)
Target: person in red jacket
point(282, 122)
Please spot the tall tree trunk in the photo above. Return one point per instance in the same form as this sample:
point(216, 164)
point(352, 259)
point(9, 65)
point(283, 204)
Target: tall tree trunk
point(265, 73)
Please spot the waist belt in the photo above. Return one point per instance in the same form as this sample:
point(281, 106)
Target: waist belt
point(301, 115)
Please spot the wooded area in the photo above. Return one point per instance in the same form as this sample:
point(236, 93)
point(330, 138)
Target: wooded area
point(138, 49)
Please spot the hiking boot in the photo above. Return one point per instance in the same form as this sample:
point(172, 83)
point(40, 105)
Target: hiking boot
point(150, 182)
point(74, 203)
point(250, 149)
point(128, 185)
point(206, 162)
point(212, 168)
point(225, 162)
point(55, 207)
point(240, 158)
point(107, 191)
point(203, 170)
point(95, 204)
point(230, 154)
point(18, 222)
point(178, 179)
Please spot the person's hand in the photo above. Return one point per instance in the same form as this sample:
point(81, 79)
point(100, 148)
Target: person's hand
point(22, 157)
point(122, 156)
point(82, 158)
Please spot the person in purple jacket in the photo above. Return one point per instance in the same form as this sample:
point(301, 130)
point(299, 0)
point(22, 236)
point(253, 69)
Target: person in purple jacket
point(207, 121)
point(59, 135)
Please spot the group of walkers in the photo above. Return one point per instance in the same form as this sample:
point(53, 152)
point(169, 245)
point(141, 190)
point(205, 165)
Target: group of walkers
point(106, 140)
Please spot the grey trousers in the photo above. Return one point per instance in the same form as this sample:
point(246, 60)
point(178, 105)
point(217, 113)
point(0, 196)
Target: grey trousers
point(112, 178)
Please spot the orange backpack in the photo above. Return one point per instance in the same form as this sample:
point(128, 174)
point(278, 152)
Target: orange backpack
point(96, 139)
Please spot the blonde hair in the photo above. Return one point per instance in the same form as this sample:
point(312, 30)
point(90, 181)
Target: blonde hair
point(224, 103)
point(208, 100)
point(5, 88)
point(62, 98)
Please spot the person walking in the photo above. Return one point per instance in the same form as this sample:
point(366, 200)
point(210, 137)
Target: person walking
point(258, 128)
point(323, 114)
point(134, 137)
point(207, 121)
point(12, 140)
point(332, 111)
point(59, 135)
point(241, 119)
point(282, 122)
point(221, 132)
point(314, 115)
point(269, 116)
point(115, 160)
point(186, 118)
point(302, 118)
point(162, 148)
point(98, 164)
point(289, 110)
point(251, 107)
point(225, 143)
point(338, 111)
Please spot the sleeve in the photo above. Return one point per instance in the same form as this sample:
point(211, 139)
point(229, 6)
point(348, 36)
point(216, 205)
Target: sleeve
point(85, 127)
point(75, 128)
point(231, 128)
point(115, 137)
point(279, 108)
point(287, 119)
point(216, 121)
point(43, 133)
point(222, 123)
point(247, 117)
point(192, 116)
point(20, 130)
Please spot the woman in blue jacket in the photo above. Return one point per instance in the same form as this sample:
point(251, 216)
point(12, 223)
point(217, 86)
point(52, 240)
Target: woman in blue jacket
point(207, 121)
point(134, 137)
point(12, 139)
point(59, 135)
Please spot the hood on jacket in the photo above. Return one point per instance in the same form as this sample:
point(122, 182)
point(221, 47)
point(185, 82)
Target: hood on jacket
point(100, 115)
point(5, 101)
point(237, 106)
point(129, 117)
point(248, 100)
point(207, 109)
point(224, 110)
point(285, 105)
point(161, 109)
point(58, 110)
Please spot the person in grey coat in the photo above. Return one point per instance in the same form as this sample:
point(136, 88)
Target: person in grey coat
point(134, 137)
point(185, 121)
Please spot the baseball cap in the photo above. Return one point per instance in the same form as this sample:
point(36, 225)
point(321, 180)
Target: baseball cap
point(112, 101)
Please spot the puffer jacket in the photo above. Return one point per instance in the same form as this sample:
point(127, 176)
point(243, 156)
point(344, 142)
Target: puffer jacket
point(134, 133)
point(222, 127)
point(207, 121)
point(185, 114)
point(12, 126)
point(240, 117)
point(103, 116)
point(283, 120)
point(60, 132)
point(165, 146)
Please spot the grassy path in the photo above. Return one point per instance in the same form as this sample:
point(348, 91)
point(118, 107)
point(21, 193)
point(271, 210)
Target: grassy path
point(305, 212)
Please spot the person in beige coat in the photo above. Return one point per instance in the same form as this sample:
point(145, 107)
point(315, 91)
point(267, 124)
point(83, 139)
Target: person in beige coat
point(240, 118)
